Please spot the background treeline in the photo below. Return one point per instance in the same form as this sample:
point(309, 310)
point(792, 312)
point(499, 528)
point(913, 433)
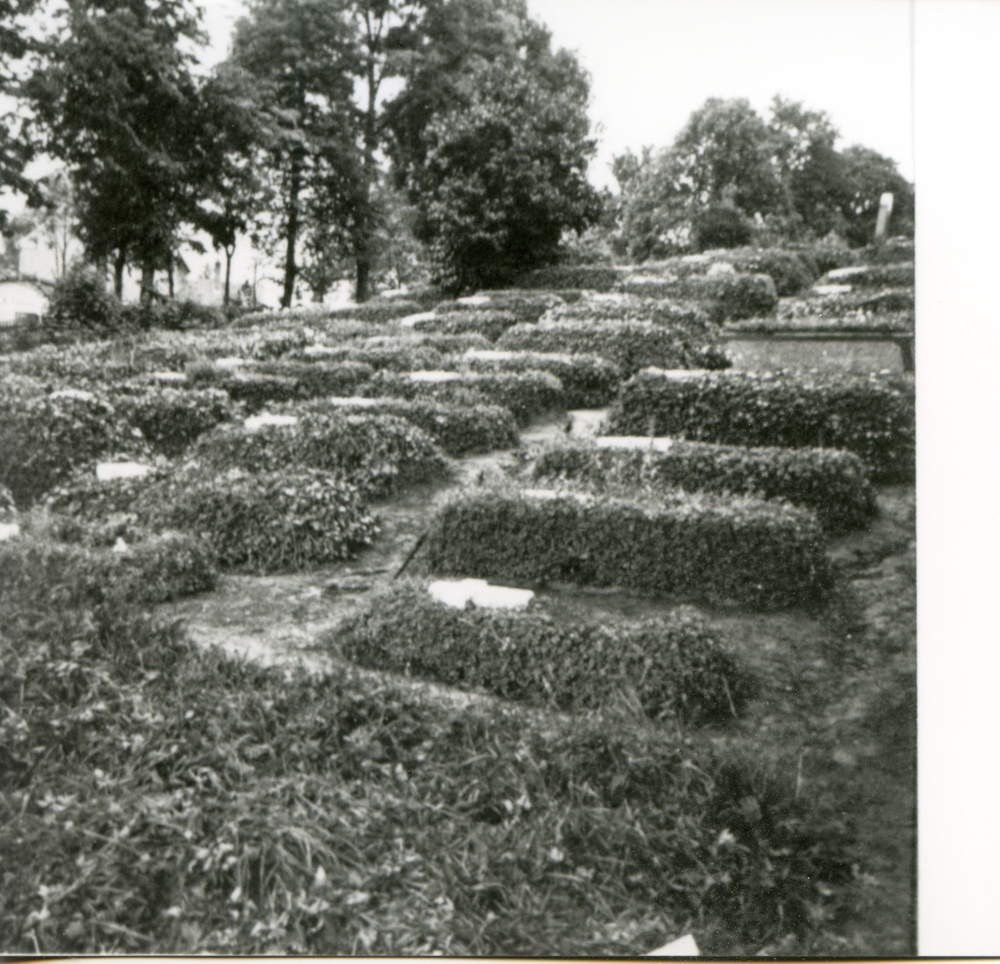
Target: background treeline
point(386, 141)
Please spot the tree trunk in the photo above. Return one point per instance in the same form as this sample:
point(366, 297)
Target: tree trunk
point(148, 283)
point(363, 281)
point(119, 273)
point(363, 244)
point(292, 229)
point(170, 278)
point(229, 264)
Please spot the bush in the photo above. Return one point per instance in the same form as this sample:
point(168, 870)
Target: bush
point(80, 302)
point(879, 275)
point(721, 226)
point(457, 429)
point(44, 437)
point(375, 453)
point(758, 553)
point(525, 394)
point(889, 252)
point(584, 277)
point(809, 316)
point(791, 271)
point(833, 484)
point(445, 344)
point(587, 380)
point(99, 362)
point(172, 418)
point(255, 389)
point(829, 253)
point(396, 358)
point(525, 307)
point(631, 345)
point(687, 318)
point(856, 304)
point(84, 497)
point(43, 574)
point(173, 316)
point(488, 323)
point(377, 311)
point(723, 297)
point(872, 416)
point(316, 379)
point(269, 522)
point(675, 667)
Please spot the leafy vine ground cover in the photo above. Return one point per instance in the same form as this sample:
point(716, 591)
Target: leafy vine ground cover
point(194, 802)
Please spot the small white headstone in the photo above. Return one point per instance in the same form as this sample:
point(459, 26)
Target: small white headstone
point(634, 442)
point(256, 422)
point(477, 591)
point(832, 289)
point(120, 545)
point(321, 351)
point(720, 269)
point(549, 494)
point(434, 376)
point(230, 362)
point(74, 393)
point(676, 372)
point(8, 530)
point(477, 354)
point(840, 273)
point(354, 401)
point(682, 947)
point(169, 377)
point(410, 320)
point(474, 301)
point(120, 470)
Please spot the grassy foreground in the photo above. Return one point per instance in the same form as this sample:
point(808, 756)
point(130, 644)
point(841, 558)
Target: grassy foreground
point(162, 798)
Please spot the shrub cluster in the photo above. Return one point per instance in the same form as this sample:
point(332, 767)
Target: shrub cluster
point(525, 307)
point(445, 344)
point(43, 437)
point(588, 381)
point(898, 274)
point(758, 553)
point(675, 666)
point(723, 297)
point(791, 271)
point(263, 522)
point(631, 345)
point(870, 415)
point(45, 574)
point(173, 316)
point(457, 429)
point(172, 418)
point(375, 453)
point(317, 379)
point(375, 312)
point(586, 277)
point(81, 302)
point(88, 499)
point(525, 394)
point(477, 321)
point(688, 318)
point(100, 361)
point(833, 484)
point(889, 252)
point(255, 389)
point(396, 358)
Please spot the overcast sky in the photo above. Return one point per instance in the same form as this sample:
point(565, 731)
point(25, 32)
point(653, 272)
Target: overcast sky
point(653, 62)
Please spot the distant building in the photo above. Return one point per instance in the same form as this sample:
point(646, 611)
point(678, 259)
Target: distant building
point(22, 303)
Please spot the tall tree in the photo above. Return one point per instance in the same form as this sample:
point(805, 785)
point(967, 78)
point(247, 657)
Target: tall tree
point(491, 138)
point(120, 106)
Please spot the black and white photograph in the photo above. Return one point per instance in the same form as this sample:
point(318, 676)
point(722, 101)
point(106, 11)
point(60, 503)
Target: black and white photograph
point(458, 478)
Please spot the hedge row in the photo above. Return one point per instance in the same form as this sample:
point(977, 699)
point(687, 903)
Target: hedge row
point(44, 437)
point(791, 270)
point(899, 274)
point(687, 318)
point(84, 497)
point(585, 277)
point(264, 522)
point(677, 667)
point(758, 553)
point(631, 345)
point(587, 380)
point(851, 303)
point(376, 311)
point(172, 418)
point(525, 394)
point(525, 307)
point(256, 384)
point(44, 575)
point(723, 297)
point(859, 321)
point(872, 416)
point(397, 358)
point(486, 322)
point(457, 429)
point(375, 453)
point(445, 344)
point(833, 484)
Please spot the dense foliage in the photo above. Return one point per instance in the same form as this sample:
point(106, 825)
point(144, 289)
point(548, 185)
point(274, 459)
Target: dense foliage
point(759, 553)
point(44, 436)
point(631, 345)
point(525, 394)
point(872, 416)
point(723, 298)
point(377, 454)
point(489, 323)
point(833, 484)
point(172, 418)
point(588, 381)
point(674, 667)
point(263, 522)
point(457, 429)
